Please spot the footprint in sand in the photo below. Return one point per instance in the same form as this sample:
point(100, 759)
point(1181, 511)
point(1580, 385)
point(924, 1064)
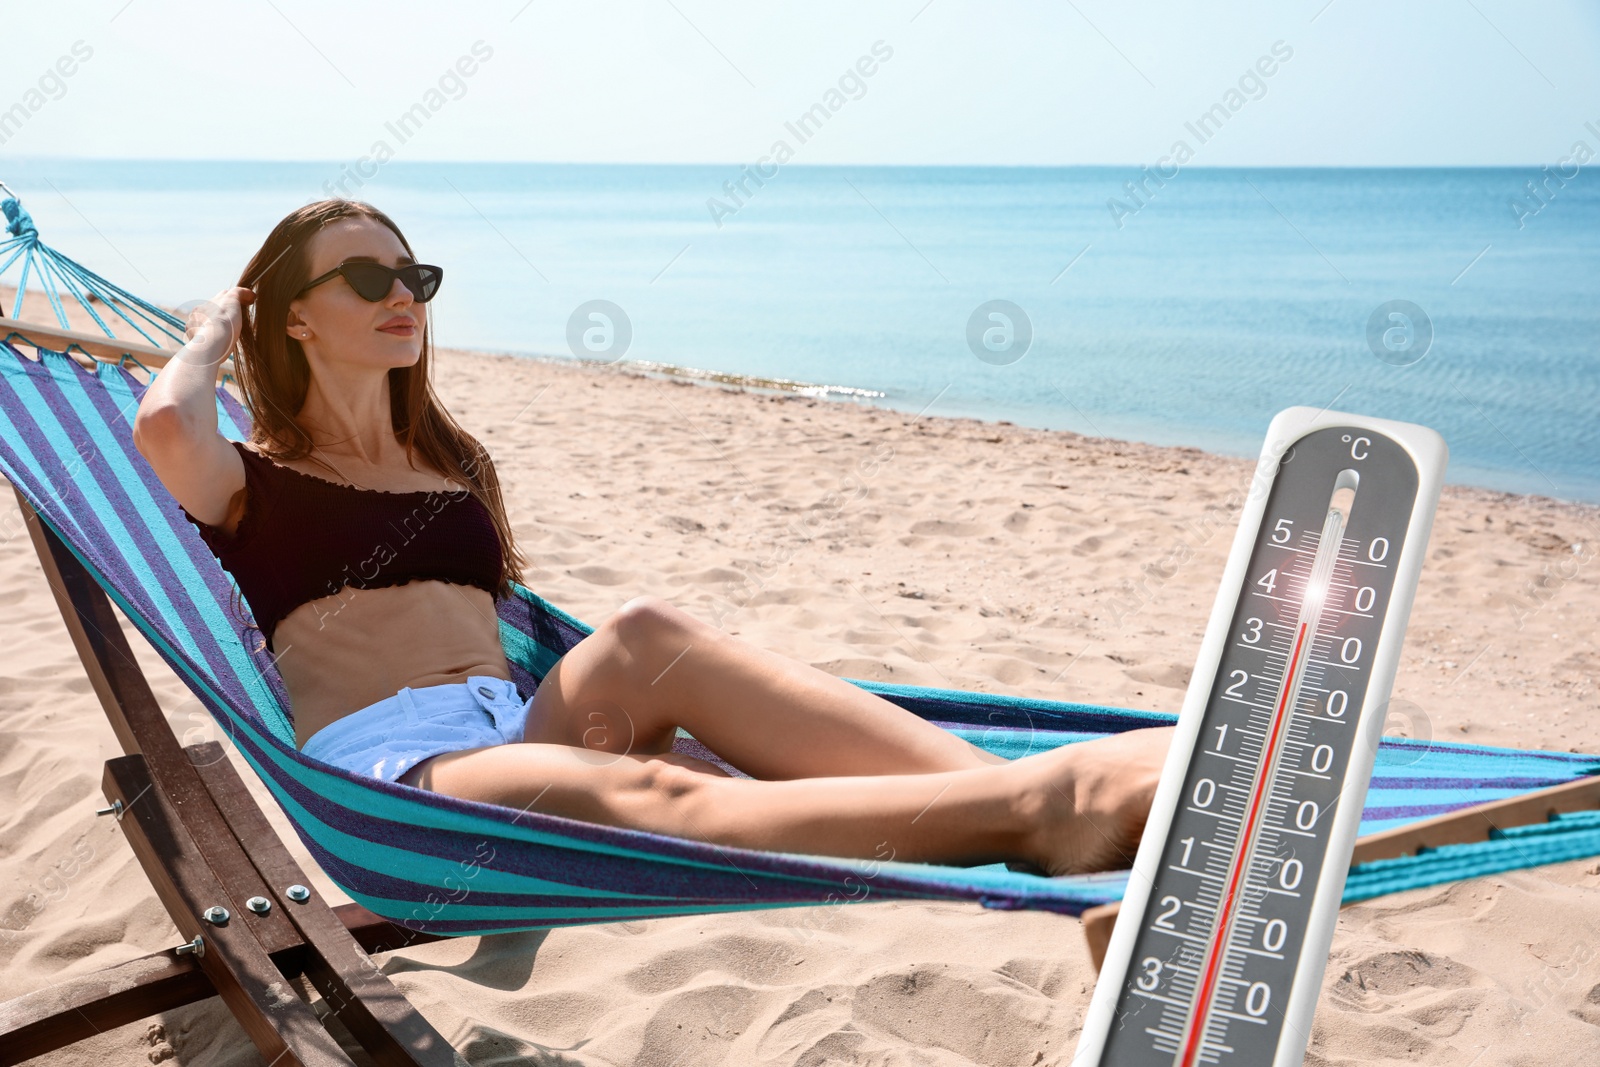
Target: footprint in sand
point(697, 1025)
point(1589, 1010)
point(681, 524)
point(948, 528)
point(1392, 974)
point(1394, 1006)
point(764, 960)
point(1420, 986)
point(1170, 675)
point(597, 575)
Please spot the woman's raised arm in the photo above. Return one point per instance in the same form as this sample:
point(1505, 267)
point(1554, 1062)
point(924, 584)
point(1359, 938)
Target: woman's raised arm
point(175, 428)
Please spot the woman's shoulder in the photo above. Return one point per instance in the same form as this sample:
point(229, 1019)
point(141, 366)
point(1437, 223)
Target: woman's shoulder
point(249, 450)
point(266, 456)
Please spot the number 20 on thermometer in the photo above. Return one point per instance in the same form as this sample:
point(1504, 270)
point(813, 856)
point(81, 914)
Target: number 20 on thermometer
point(1218, 951)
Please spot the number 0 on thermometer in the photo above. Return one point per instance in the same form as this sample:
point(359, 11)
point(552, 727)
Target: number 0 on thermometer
point(1218, 951)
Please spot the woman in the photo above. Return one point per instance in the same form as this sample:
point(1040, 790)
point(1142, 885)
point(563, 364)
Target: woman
point(366, 530)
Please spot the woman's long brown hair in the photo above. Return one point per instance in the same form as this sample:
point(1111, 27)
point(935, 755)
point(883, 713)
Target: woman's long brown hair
point(273, 374)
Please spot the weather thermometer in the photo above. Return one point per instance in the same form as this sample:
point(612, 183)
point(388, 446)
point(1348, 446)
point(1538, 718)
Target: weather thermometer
point(1218, 952)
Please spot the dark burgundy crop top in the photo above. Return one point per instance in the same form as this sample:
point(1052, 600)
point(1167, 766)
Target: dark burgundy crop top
point(303, 537)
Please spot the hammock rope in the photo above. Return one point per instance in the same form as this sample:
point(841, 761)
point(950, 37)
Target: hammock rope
point(56, 272)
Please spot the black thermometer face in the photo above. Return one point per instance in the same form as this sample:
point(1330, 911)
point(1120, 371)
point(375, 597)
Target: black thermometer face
point(1220, 941)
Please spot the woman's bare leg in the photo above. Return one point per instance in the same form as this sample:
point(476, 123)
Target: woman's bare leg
point(1076, 808)
point(651, 668)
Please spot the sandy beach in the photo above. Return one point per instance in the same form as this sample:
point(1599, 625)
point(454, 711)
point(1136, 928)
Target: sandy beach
point(875, 545)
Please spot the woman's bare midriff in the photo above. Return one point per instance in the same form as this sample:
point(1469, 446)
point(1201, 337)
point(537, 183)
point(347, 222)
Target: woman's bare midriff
point(340, 653)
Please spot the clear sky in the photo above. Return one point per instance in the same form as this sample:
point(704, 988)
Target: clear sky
point(1053, 82)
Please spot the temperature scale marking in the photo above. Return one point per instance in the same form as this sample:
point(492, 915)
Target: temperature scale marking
point(1219, 959)
point(1310, 613)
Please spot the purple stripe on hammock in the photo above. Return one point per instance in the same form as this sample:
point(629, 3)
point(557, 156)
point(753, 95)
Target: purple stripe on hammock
point(115, 424)
point(1508, 782)
point(54, 465)
point(1420, 811)
point(34, 440)
point(403, 836)
point(610, 872)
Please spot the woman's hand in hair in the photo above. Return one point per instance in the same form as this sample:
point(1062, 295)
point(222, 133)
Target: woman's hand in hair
point(214, 325)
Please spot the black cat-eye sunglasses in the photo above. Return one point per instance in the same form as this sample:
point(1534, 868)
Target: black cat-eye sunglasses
point(372, 281)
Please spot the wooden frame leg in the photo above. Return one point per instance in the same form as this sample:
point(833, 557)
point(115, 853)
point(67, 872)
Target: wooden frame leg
point(282, 1026)
point(204, 843)
point(359, 993)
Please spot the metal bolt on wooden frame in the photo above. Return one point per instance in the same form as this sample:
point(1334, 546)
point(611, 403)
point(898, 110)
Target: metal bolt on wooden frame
point(203, 842)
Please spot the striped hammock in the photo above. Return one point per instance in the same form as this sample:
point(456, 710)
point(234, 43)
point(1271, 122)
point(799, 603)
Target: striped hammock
point(438, 864)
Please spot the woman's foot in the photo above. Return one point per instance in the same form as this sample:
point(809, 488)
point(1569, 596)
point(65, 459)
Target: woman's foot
point(1090, 800)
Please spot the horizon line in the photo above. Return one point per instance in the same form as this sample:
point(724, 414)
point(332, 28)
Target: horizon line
point(18, 159)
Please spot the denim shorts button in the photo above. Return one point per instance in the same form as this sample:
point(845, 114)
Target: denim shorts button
point(485, 692)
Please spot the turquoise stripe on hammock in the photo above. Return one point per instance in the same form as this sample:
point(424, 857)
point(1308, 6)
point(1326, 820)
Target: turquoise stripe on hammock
point(22, 455)
point(160, 519)
point(402, 852)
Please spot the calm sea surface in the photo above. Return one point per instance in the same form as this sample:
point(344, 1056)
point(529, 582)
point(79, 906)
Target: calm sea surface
point(1222, 297)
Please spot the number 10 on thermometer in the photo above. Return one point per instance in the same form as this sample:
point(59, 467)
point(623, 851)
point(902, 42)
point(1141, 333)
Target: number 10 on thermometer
point(1218, 951)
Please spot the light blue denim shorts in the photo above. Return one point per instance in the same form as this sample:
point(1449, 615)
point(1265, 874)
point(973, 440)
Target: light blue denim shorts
point(386, 739)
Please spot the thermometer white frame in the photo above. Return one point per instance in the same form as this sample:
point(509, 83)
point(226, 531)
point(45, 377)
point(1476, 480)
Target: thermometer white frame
point(1429, 453)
